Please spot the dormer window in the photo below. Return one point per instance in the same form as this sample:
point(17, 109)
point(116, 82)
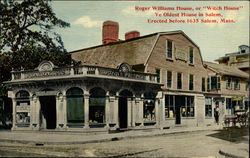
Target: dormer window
point(191, 55)
point(169, 49)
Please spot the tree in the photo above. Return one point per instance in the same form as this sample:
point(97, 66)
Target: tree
point(27, 37)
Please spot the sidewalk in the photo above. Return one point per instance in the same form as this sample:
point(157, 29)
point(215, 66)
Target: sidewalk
point(51, 137)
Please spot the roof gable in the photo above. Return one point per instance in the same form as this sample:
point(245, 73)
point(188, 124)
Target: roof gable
point(226, 70)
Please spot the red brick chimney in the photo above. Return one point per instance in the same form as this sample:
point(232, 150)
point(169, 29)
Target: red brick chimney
point(110, 32)
point(131, 35)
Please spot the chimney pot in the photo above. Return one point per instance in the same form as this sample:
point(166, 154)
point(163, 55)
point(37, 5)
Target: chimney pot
point(132, 34)
point(110, 32)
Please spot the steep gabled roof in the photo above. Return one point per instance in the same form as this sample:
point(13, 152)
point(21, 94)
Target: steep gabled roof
point(226, 70)
point(134, 51)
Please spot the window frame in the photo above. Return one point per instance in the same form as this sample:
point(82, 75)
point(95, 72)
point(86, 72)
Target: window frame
point(218, 83)
point(168, 49)
point(236, 87)
point(177, 86)
point(169, 85)
point(70, 95)
point(227, 83)
point(203, 84)
point(208, 106)
point(189, 83)
point(191, 51)
point(158, 75)
point(168, 106)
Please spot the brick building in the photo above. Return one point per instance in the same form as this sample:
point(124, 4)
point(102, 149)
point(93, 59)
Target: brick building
point(153, 81)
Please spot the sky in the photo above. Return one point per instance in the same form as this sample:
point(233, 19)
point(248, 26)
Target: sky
point(214, 39)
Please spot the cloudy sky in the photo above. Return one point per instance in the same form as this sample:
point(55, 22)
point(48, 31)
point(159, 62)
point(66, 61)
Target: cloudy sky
point(214, 40)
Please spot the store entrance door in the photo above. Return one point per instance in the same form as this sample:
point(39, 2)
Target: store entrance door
point(123, 112)
point(48, 111)
point(179, 102)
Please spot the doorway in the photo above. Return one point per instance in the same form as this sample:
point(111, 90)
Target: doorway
point(179, 102)
point(123, 112)
point(48, 111)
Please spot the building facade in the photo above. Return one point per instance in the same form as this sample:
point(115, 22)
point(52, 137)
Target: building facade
point(154, 81)
point(239, 59)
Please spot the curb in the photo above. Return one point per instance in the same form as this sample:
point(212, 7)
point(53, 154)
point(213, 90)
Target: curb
point(41, 143)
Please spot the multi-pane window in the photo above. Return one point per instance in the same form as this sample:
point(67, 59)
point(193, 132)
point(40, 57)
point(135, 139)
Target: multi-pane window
point(169, 106)
point(169, 79)
point(187, 110)
point(213, 83)
point(169, 50)
point(97, 105)
point(229, 106)
point(236, 84)
point(229, 83)
point(191, 55)
point(179, 80)
point(191, 82)
point(203, 88)
point(158, 73)
point(22, 100)
point(208, 107)
point(149, 107)
point(75, 105)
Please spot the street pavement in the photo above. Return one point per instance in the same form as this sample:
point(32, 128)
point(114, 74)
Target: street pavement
point(176, 142)
point(63, 137)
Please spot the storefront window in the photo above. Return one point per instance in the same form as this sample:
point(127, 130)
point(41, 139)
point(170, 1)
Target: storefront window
point(75, 105)
point(169, 106)
point(149, 110)
point(22, 118)
point(97, 106)
point(208, 107)
point(188, 109)
point(229, 106)
point(23, 107)
point(149, 107)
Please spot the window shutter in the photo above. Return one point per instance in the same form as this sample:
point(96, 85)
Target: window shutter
point(218, 82)
point(208, 83)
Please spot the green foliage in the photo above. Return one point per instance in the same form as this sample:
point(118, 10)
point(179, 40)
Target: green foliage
point(27, 37)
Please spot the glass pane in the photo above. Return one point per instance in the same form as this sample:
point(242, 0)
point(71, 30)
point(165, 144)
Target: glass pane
point(75, 110)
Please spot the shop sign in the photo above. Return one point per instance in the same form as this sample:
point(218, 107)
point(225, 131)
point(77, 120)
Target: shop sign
point(237, 98)
point(219, 99)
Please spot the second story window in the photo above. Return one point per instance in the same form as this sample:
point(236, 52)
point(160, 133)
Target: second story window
point(158, 73)
point(247, 86)
point(191, 82)
point(191, 55)
point(179, 80)
point(203, 88)
point(229, 83)
point(213, 83)
point(169, 49)
point(169, 79)
point(236, 84)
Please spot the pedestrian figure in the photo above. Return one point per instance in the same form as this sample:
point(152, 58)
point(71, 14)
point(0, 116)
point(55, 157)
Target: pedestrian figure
point(216, 114)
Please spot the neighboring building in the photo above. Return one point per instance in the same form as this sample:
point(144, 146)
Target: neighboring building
point(228, 87)
point(238, 59)
point(153, 81)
